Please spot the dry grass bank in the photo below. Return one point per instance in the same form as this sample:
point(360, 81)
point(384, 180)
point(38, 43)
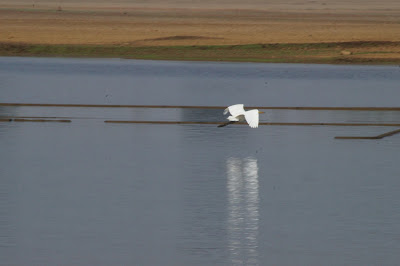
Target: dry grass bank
point(203, 23)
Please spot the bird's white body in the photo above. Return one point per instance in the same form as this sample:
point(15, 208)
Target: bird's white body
point(239, 114)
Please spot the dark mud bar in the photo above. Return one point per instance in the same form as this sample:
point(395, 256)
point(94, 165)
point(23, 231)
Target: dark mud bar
point(381, 136)
point(261, 124)
point(52, 119)
point(34, 120)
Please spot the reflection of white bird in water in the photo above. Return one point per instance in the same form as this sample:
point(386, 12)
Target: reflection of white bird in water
point(239, 114)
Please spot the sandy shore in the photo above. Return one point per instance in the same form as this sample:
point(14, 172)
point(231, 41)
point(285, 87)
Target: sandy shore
point(188, 23)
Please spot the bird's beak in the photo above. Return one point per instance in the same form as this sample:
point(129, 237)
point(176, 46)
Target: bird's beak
point(261, 112)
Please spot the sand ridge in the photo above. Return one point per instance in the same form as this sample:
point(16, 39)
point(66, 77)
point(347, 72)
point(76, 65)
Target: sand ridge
point(212, 22)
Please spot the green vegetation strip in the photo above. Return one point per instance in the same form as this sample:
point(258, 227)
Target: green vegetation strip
point(331, 53)
point(312, 108)
point(381, 136)
point(261, 124)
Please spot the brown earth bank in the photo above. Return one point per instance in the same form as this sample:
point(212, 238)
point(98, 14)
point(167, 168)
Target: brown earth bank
point(156, 23)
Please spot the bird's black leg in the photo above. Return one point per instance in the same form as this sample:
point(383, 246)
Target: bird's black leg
point(227, 123)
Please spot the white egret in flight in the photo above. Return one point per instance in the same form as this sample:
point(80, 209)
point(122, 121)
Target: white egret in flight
point(239, 114)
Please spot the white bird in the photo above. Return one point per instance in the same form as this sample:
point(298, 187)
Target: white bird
point(239, 114)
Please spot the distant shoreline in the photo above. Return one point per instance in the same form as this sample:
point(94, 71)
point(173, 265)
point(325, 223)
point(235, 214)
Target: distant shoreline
point(296, 31)
point(318, 53)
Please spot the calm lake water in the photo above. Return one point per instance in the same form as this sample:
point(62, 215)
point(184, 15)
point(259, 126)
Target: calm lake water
point(94, 193)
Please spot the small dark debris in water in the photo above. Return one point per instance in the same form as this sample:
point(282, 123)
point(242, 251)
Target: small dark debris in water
point(108, 98)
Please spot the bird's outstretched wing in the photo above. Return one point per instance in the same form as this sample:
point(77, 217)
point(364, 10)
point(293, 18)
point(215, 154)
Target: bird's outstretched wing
point(235, 110)
point(252, 118)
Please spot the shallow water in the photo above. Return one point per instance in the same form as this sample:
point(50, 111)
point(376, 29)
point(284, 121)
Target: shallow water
point(116, 81)
point(89, 192)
